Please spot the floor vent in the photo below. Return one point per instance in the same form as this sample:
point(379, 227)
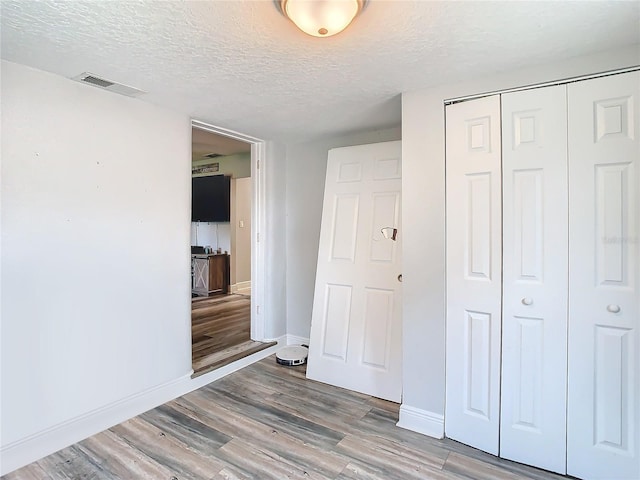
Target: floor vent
point(105, 84)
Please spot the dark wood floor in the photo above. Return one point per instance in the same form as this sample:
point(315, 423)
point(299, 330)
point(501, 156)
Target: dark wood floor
point(267, 421)
point(221, 331)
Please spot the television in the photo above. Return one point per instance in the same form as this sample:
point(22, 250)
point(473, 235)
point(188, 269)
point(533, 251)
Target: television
point(210, 198)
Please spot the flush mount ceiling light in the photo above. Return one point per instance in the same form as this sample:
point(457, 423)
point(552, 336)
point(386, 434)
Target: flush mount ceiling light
point(321, 18)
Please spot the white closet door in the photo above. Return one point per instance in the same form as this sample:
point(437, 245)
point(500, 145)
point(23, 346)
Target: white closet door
point(473, 272)
point(604, 294)
point(534, 276)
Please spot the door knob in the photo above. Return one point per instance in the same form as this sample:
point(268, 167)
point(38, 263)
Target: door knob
point(527, 301)
point(613, 308)
point(400, 278)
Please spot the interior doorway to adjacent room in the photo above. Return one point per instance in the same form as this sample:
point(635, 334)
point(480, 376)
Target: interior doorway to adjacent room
point(222, 220)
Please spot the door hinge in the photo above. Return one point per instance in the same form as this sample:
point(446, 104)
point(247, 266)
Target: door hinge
point(258, 309)
point(258, 237)
point(257, 164)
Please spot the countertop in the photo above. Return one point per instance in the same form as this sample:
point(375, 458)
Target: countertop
point(207, 255)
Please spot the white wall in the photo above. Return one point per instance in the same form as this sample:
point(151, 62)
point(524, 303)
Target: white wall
point(92, 311)
point(274, 238)
point(423, 219)
point(211, 234)
point(95, 319)
point(241, 230)
point(305, 175)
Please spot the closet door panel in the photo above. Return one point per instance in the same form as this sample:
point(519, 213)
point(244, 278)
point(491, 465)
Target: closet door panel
point(534, 315)
point(473, 273)
point(604, 296)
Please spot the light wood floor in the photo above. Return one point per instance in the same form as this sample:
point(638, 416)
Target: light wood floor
point(267, 421)
point(221, 331)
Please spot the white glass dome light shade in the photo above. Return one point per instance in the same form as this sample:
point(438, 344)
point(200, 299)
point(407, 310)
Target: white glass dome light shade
point(321, 18)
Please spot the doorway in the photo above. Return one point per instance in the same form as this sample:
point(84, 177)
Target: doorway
point(225, 272)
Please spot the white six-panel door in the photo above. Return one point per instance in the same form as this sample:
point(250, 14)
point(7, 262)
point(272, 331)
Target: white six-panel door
point(604, 279)
point(356, 328)
point(473, 273)
point(534, 276)
point(581, 387)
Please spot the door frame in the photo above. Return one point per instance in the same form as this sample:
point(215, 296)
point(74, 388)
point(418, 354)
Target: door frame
point(258, 182)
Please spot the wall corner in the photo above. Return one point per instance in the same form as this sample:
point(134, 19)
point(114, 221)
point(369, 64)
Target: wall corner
point(421, 421)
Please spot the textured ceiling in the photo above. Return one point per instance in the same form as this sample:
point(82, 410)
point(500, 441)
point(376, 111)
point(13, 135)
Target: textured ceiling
point(241, 65)
point(205, 143)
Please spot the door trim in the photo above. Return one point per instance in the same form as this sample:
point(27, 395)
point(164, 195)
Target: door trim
point(258, 182)
point(562, 81)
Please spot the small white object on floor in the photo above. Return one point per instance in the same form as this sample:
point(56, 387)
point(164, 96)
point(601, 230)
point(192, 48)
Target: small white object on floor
point(292, 355)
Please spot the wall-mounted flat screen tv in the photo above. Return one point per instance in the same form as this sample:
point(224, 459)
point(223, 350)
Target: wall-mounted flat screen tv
point(210, 200)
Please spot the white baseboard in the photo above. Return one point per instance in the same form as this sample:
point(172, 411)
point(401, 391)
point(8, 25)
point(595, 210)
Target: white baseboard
point(241, 287)
point(421, 421)
point(24, 451)
point(288, 340)
point(296, 340)
point(282, 340)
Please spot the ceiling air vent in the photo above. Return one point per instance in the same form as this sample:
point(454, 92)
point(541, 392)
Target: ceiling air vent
point(212, 155)
point(97, 81)
point(105, 84)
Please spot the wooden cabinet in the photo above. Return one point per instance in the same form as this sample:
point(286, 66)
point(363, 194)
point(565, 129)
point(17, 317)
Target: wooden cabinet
point(209, 274)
